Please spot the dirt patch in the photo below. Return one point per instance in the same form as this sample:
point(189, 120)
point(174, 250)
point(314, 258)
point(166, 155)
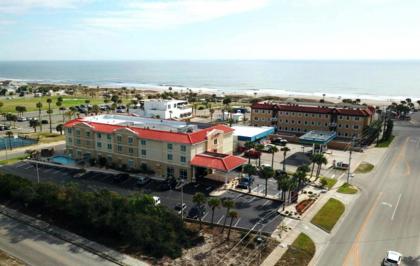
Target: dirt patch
point(5, 259)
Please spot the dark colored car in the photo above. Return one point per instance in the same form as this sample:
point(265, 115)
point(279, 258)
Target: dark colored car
point(179, 208)
point(197, 212)
point(44, 122)
point(245, 182)
point(119, 178)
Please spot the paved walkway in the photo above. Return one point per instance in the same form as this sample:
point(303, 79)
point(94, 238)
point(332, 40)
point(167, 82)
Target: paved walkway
point(21, 150)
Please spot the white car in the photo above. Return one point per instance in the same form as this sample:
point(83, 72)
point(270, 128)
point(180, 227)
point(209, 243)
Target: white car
point(392, 258)
point(156, 200)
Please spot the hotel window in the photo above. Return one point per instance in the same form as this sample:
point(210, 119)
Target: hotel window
point(183, 148)
point(256, 118)
point(119, 138)
point(130, 140)
point(347, 126)
point(287, 113)
point(119, 148)
point(319, 115)
point(356, 118)
point(69, 130)
point(348, 117)
point(313, 115)
point(170, 172)
point(99, 144)
point(306, 122)
point(108, 136)
point(170, 146)
point(78, 141)
point(183, 173)
point(109, 159)
point(87, 134)
point(298, 122)
point(79, 154)
point(98, 135)
point(142, 142)
point(143, 152)
point(215, 141)
point(306, 114)
point(356, 127)
point(170, 157)
point(109, 146)
point(183, 159)
point(287, 121)
point(77, 132)
point(70, 140)
point(130, 163)
point(130, 150)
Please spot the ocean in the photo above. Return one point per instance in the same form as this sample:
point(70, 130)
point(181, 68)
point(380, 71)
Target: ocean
point(382, 80)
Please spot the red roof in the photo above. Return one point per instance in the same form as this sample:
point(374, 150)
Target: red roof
point(218, 161)
point(363, 111)
point(153, 134)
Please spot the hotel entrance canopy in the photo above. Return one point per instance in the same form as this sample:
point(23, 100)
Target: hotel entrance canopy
point(317, 137)
point(218, 161)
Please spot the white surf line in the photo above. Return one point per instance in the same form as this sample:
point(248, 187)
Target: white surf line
point(237, 222)
point(221, 218)
point(396, 206)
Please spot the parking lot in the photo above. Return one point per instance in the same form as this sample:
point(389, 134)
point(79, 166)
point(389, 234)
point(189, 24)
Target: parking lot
point(260, 214)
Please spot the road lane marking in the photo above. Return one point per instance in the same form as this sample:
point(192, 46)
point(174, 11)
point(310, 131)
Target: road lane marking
point(220, 219)
point(202, 219)
point(386, 204)
point(396, 206)
point(402, 151)
point(354, 249)
point(265, 203)
point(237, 222)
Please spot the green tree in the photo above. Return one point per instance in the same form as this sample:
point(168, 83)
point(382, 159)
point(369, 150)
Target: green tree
point(301, 173)
point(283, 186)
point(266, 173)
point(211, 110)
point(320, 160)
point(272, 149)
point(95, 109)
point(49, 112)
point(39, 107)
point(259, 148)
point(232, 215)
point(213, 204)
point(60, 128)
point(33, 124)
point(248, 146)
point(285, 150)
point(9, 135)
point(1, 105)
point(199, 199)
point(228, 204)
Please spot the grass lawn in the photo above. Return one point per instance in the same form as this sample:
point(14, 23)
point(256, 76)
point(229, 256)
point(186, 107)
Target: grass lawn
point(385, 143)
point(346, 188)
point(364, 168)
point(30, 103)
point(330, 182)
point(13, 160)
point(299, 253)
point(329, 214)
point(49, 137)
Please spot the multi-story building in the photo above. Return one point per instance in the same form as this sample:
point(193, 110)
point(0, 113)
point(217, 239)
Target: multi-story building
point(168, 148)
point(164, 109)
point(299, 118)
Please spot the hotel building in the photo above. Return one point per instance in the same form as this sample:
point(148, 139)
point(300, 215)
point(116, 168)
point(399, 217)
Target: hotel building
point(299, 118)
point(169, 148)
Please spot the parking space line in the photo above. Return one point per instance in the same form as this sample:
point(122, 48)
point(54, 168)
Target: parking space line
point(237, 222)
point(28, 167)
point(266, 202)
point(251, 200)
point(277, 194)
point(221, 218)
point(20, 164)
point(204, 217)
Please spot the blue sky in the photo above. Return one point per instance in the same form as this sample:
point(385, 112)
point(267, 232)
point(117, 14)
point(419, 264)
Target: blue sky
point(209, 29)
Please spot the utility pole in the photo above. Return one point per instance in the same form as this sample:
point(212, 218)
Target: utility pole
point(351, 151)
point(37, 172)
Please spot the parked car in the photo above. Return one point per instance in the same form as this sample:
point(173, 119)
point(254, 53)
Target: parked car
point(21, 119)
point(197, 212)
point(341, 165)
point(119, 178)
point(267, 148)
point(180, 208)
point(141, 180)
point(279, 142)
point(156, 199)
point(44, 122)
point(392, 258)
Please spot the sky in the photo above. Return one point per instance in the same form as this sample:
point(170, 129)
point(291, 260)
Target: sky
point(209, 29)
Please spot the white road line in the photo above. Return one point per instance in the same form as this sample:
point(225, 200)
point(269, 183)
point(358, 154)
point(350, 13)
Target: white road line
point(204, 217)
point(277, 194)
point(396, 206)
point(266, 202)
point(251, 200)
point(221, 218)
point(237, 222)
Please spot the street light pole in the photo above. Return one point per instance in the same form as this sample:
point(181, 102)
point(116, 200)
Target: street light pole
point(349, 171)
point(37, 172)
point(182, 199)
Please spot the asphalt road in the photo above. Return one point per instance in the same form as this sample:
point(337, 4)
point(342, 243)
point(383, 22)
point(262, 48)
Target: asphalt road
point(35, 247)
point(386, 216)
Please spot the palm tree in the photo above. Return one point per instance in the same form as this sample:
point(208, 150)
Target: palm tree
point(265, 173)
point(213, 204)
point(95, 109)
point(228, 204)
point(249, 145)
point(49, 111)
point(9, 135)
point(39, 106)
point(285, 150)
point(60, 128)
point(293, 185)
point(34, 123)
point(301, 173)
point(232, 215)
point(259, 148)
point(272, 149)
point(283, 185)
point(320, 161)
point(199, 199)
point(211, 110)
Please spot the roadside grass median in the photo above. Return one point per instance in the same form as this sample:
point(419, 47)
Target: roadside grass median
point(328, 182)
point(385, 143)
point(299, 253)
point(13, 160)
point(346, 188)
point(329, 214)
point(364, 168)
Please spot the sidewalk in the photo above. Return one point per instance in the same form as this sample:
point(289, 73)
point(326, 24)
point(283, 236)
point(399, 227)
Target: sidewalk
point(90, 246)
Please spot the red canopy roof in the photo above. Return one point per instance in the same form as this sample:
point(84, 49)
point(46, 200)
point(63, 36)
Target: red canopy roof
point(218, 161)
point(153, 134)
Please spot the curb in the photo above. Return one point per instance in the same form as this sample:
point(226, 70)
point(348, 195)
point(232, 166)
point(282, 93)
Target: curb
point(250, 194)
